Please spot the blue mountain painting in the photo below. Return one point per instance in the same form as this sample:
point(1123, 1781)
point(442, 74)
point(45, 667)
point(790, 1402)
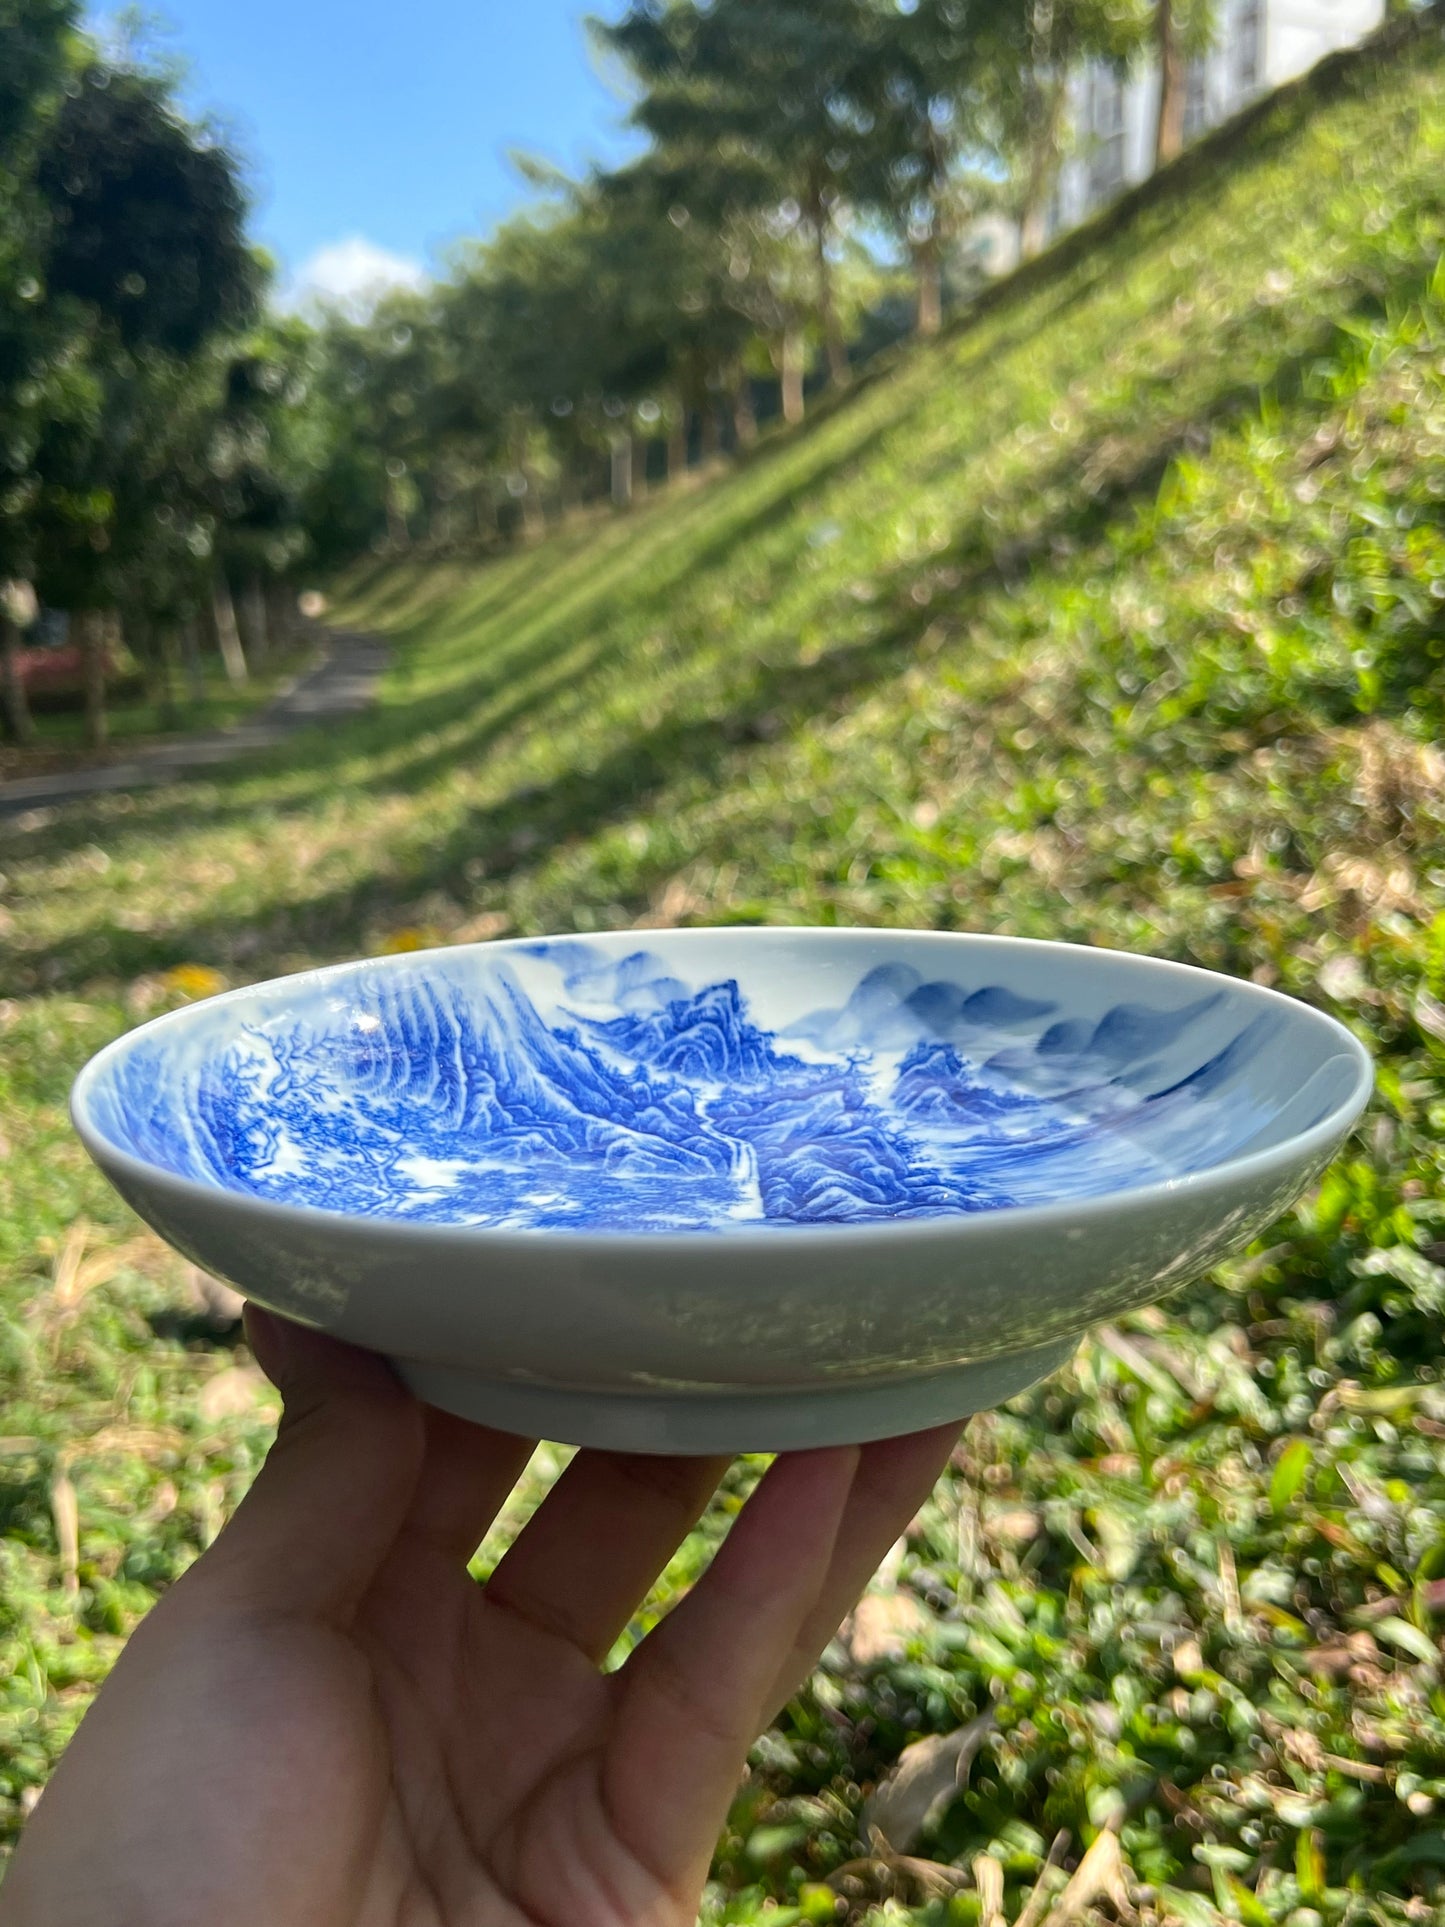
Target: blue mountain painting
point(636, 1103)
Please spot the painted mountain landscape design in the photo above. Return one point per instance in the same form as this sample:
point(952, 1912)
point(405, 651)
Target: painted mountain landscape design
point(607, 1095)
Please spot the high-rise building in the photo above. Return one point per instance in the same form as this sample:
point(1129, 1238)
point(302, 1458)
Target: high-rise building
point(1112, 116)
point(1259, 45)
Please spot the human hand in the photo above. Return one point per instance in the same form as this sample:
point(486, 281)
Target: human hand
point(328, 1723)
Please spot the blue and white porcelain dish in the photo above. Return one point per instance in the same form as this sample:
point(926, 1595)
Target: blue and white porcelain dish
point(722, 1189)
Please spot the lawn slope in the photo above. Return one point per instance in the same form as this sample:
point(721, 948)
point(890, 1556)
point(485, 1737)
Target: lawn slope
point(1117, 615)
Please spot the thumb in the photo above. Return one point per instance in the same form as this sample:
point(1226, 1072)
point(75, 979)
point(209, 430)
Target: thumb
point(312, 1532)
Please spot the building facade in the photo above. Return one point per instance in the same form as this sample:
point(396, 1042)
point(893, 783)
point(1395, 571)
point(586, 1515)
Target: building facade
point(1260, 45)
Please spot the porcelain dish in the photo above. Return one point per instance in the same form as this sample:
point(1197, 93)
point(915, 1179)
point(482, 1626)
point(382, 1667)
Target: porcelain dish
point(722, 1190)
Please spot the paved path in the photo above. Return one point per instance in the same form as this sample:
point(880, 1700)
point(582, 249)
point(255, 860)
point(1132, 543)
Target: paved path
point(341, 684)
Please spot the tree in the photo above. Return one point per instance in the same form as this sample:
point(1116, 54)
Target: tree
point(764, 80)
point(145, 214)
point(17, 608)
point(143, 249)
point(675, 289)
point(1036, 46)
point(923, 103)
point(598, 318)
point(1183, 30)
point(36, 38)
point(34, 34)
point(345, 502)
point(545, 322)
point(744, 275)
point(263, 451)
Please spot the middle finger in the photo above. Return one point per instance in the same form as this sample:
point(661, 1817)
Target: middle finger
point(588, 1556)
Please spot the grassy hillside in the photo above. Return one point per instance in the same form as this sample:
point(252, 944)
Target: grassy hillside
point(1119, 616)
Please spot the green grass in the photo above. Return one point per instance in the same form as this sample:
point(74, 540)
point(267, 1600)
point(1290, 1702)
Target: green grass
point(1116, 616)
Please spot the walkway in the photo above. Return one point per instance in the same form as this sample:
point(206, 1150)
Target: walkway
point(342, 684)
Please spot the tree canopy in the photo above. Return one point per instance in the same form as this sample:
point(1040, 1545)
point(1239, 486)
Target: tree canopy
point(811, 169)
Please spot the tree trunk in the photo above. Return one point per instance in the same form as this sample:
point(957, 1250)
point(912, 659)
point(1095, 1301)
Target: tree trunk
point(790, 370)
point(154, 649)
point(398, 535)
point(90, 630)
point(929, 271)
point(191, 656)
point(228, 637)
point(136, 630)
point(14, 702)
point(1032, 231)
point(834, 345)
point(745, 420)
point(1169, 139)
point(621, 470)
point(167, 663)
point(281, 615)
point(677, 448)
point(534, 516)
point(251, 615)
point(1033, 228)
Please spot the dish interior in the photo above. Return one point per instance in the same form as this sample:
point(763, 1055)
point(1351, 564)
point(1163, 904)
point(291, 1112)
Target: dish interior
point(586, 1087)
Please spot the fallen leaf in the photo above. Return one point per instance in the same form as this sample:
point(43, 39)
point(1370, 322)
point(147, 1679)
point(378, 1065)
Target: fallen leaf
point(881, 1625)
point(677, 899)
point(1188, 1659)
point(483, 927)
point(988, 1878)
point(65, 1284)
point(1038, 1898)
point(930, 1879)
point(65, 1510)
point(1100, 1875)
point(1344, 979)
point(925, 1777)
point(77, 1272)
point(231, 1392)
point(1328, 1659)
point(162, 1505)
point(1133, 1359)
point(149, 1442)
point(899, 1876)
point(1013, 1527)
point(1432, 1596)
point(145, 994)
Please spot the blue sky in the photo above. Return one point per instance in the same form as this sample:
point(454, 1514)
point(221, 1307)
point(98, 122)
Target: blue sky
point(378, 130)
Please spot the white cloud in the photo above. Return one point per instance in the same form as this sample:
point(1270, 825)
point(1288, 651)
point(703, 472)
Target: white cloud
point(352, 274)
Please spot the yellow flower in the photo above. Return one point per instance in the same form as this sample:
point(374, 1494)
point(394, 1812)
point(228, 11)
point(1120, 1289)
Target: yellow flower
point(193, 981)
point(405, 939)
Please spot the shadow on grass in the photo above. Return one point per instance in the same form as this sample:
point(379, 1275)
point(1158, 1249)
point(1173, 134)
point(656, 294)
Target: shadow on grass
point(542, 603)
point(639, 770)
point(196, 1331)
point(25, 1504)
point(560, 601)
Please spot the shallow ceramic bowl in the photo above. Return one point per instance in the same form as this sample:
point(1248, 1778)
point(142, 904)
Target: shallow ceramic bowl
point(722, 1190)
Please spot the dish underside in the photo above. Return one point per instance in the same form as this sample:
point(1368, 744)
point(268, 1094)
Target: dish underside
point(690, 1422)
